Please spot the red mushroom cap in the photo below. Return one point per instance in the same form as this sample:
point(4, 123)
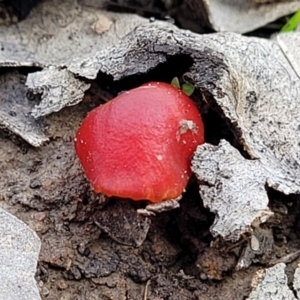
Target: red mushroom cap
point(139, 144)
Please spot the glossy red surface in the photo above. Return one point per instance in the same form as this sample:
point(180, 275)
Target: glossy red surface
point(139, 144)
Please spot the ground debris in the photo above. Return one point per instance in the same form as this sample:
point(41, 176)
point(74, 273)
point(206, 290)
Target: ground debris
point(49, 38)
point(262, 253)
point(230, 186)
point(215, 264)
point(120, 220)
point(271, 284)
point(16, 107)
point(57, 87)
point(57, 252)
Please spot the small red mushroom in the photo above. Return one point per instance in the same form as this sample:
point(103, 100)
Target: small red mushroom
point(139, 144)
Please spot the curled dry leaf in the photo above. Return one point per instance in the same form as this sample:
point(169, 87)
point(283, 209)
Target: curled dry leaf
point(58, 88)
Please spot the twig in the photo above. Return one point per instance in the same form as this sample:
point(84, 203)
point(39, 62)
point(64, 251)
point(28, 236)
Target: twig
point(285, 259)
point(146, 290)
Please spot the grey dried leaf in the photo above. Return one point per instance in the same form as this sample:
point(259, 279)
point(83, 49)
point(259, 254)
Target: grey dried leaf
point(138, 52)
point(15, 110)
point(271, 283)
point(58, 88)
point(122, 223)
point(127, 57)
point(230, 186)
point(47, 37)
point(19, 253)
point(240, 16)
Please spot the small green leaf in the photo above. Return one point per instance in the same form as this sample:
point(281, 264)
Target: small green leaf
point(292, 23)
point(188, 88)
point(175, 82)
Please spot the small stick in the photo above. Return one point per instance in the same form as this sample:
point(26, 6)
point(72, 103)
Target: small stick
point(146, 290)
point(286, 259)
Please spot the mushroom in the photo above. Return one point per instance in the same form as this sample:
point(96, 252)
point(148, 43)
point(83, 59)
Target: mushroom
point(139, 144)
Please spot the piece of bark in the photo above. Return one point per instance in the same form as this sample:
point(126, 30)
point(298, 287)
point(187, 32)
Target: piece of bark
point(58, 88)
point(128, 57)
point(230, 186)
